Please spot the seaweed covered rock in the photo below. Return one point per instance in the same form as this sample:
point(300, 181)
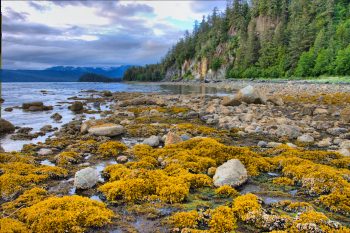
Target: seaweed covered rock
point(107, 129)
point(231, 173)
point(86, 178)
point(65, 214)
point(6, 127)
point(76, 106)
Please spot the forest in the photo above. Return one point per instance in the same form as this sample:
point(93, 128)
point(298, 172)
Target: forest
point(263, 39)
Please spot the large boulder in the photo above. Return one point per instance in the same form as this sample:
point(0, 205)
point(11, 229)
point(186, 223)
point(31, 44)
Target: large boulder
point(86, 178)
point(231, 173)
point(6, 127)
point(248, 95)
point(151, 141)
point(108, 130)
point(76, 106)
point(306, 138)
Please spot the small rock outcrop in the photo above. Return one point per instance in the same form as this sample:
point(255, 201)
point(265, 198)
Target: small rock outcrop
point(151, 141)
point(6, 127)
point(306, 138)
point(86, 178)
point(108, 130)
point(231, 173)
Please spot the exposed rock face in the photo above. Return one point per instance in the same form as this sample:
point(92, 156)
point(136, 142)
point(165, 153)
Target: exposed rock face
point(76, 106)
point(172, 138)
point(151, 141)
point(108, 130)
point(86, 178)
point(231, 173)
point(6, 127)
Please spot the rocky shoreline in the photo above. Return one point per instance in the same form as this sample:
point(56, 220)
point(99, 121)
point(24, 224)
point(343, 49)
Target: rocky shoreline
point(268, 158)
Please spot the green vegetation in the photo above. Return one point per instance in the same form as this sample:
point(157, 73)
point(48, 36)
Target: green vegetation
point(91, 77)
point(264, 39)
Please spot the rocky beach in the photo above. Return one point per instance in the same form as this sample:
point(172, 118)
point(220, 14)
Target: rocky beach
point(246, 157)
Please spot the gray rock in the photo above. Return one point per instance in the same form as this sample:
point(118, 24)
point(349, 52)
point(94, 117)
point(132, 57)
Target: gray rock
point(6, 127)
point(306, 138)
point(250, 95)
point(289, 131)
point(151, 141)
point(122, 159)
point(337, 131)
point(231, 173)
point(108, 130)
point(45, 152)
point(86, 178)
point(262, 144)
point(325, 142)
point(273, 144)
point(185, 137)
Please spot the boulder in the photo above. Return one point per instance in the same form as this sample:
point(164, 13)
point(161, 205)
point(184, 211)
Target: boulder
point(45, 152)
point(9, 109)
point(336, 131)
point(6, 127)
point(326, 142)
point(262, 144)
point(122, 159)
point(231, 173)
point(289, 131)
point(151, 141)
point(320, 111)
point(172, 138)
point(344, 152)
point(306, 138)
point(56, 116)
point(250, 95)
point(276, 100)
point(108, 130)
point(86, 178)
point(76, 106)
point(247, 95)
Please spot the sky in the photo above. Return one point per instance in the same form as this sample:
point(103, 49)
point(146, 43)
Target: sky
point(41, 34)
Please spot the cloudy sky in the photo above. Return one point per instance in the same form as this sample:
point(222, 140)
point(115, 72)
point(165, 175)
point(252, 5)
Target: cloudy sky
point(40, 34)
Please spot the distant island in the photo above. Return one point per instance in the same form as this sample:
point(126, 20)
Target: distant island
point(60, 74)
point(92, 77)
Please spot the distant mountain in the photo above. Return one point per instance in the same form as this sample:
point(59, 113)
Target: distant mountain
point(60, 74)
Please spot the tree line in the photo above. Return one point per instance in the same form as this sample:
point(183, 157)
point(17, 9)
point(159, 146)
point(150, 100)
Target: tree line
point(265, 38)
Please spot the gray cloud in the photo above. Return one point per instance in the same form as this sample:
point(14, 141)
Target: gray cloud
point(127, 40)
point(37, 6)
point(204, 6)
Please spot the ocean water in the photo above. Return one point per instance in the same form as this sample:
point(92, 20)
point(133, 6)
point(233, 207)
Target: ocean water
point(57, 94)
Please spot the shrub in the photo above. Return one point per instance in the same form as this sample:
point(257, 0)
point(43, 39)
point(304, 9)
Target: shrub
point(111, 149)
point(65, 214)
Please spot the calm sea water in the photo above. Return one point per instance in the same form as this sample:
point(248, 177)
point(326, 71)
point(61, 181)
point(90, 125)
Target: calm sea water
point(57, 95)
